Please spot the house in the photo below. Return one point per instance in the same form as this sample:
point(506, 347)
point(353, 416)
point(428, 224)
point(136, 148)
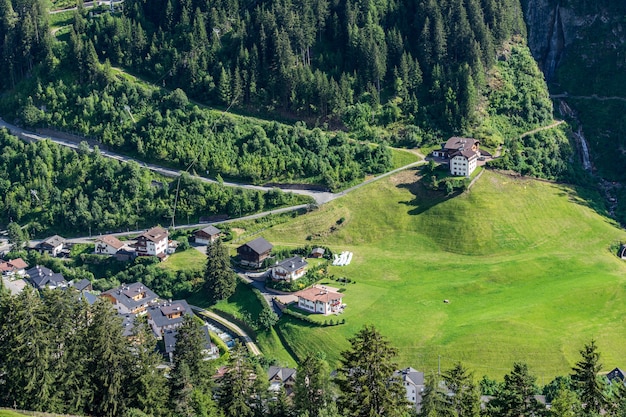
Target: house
point(616, 375)
point(463, 163)
point(153, 242)
point(167, 315)
point(413, 382)
point(132, 298)
point(317, 253)
point(456, 144)
point(169, 342)
point(289, 269)
point(281, 378)
point(41, 277)
point(52, 245)
point(207, 235)
point(13, 267)
point(254, 252)
point(319, 300)
point(108, 245)
point(82, 285)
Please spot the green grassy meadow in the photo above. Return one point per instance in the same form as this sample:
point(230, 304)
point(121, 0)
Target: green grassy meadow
point(184, 260)
point(525, 265)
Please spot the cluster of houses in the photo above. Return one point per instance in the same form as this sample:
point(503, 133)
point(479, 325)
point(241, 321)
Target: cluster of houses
point(462, 155)
point(316, 299)
point(164, 316)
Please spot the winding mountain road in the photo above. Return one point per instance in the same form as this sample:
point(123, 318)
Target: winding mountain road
point(320, 197)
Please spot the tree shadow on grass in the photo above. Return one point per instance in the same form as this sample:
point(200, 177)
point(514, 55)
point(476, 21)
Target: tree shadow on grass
point(425, 198)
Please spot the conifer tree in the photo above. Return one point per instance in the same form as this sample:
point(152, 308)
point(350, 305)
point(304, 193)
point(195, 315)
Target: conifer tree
point(312, 385)
point(517, 395)
point(219, 280)
point(368, 387)
point(465, 400)
point(435, 403)
point(585, 379)
point(236, 388)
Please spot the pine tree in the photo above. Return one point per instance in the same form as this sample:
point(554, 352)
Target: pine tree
point(109, 359)
point(368, 387)
point(585, 379)
point(465, 400)
point(565, 403)
point(517, 395)
point(435, 403)
point(236, 387)
point(219, 280)
point(312, 385)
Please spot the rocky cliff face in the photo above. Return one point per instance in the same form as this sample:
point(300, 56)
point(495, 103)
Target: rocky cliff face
point(578, 29)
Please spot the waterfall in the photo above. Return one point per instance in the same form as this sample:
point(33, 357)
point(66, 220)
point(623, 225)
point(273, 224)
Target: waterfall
point(584, 148)
point(556, 42)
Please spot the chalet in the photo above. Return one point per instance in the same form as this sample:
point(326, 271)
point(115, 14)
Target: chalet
point(132, 298)
point(168, 315)
point(254, 252)
point(320, 300)
point(616, 375)
point(413, 382)
point(82, 285)
point(13, 267)
point(52, 245)
point(207, 235)
point(317, 253)
point(41, 277)
point(153, 242)
point(108, 245)
point(281, 378)
point(14, 286)
point(169, 341)
point(289, 269)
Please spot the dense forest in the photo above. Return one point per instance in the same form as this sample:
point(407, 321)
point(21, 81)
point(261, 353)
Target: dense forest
point(400, 72)
point(58, 354)
point(53, 188)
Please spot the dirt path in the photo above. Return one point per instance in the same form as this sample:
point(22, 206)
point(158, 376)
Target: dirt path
point(591, 97)
point(539, 129)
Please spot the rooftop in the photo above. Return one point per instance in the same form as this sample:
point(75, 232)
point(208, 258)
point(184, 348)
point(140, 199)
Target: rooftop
point(155, 234)
point(210, 230)
point(160, 313)
point(53, 241)
point(259, 245)
point(292, 264)
point(319, 294)
point(124, 295)
point(111, 241)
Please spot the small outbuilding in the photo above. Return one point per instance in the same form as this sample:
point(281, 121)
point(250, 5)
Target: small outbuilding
point(317, 253)
point(207, 235)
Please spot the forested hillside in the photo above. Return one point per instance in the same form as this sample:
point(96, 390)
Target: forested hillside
point(53, 188)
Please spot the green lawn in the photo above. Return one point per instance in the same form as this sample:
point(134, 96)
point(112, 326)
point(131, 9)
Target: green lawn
point(402, 157)
point(7, 413)
point(186, 260)
point(525, 265)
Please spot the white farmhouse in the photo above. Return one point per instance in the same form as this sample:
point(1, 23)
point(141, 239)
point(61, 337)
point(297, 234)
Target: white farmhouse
point(153, 242)
point(463, 163)
point(108, 245)
point(289, 269)
point(319, 300)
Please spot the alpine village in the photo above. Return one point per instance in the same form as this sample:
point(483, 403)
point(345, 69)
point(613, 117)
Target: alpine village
point(313, 208)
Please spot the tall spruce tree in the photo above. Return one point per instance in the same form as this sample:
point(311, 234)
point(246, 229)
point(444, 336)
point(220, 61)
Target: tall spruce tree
point(465, 400)
point(517, 395)
point(435, 402)
point(191, 377)
point(108, 361)
point(237, 387)
point(585, 379)
point(366, 380)
point(312, 387)
point(219, 280)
